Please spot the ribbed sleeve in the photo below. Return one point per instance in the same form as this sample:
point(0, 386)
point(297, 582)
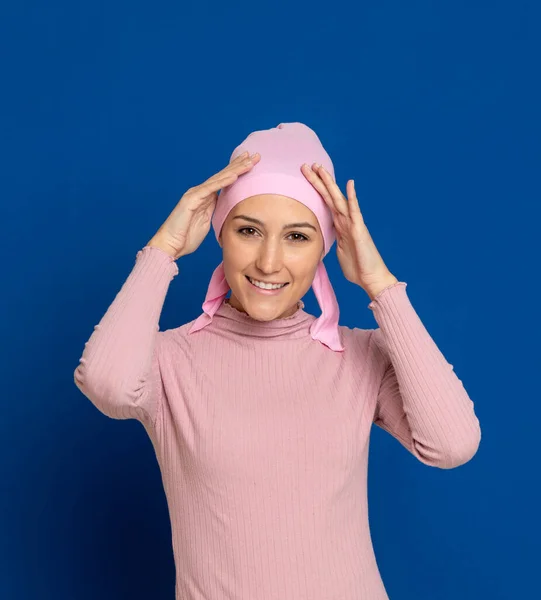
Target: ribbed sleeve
point(118, 370)
point(421, 401)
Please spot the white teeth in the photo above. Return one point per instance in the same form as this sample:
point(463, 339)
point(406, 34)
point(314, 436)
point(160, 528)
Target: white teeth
point(266, 286)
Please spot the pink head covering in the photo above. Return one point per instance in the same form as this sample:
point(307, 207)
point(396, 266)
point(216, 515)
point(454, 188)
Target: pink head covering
point(283, 150)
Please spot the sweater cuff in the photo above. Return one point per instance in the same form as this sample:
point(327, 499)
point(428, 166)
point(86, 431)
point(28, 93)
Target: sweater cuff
point(158, 258)
point(388, 294)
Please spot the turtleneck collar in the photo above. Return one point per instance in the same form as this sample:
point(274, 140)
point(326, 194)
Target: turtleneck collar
point(295, 326)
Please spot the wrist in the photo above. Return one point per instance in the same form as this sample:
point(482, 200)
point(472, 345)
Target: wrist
point(162, 244)
point(375, 289)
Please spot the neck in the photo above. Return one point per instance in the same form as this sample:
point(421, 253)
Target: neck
point(242, 325)
point(234, 303)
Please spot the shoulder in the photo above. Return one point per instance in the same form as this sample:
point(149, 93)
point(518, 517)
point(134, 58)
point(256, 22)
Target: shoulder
point(356, 335)
point(364, 342)
point(357, 340)
point(175, 340)
point(364, 354)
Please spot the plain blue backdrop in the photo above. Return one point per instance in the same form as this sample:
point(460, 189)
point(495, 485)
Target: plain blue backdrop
point(110, 111)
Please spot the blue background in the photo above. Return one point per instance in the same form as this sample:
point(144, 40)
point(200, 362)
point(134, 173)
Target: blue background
point(111, 111)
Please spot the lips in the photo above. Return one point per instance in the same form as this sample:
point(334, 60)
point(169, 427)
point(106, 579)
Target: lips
point(248, 279)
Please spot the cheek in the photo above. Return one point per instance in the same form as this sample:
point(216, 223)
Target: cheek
point(236, 253)
point(305, 261)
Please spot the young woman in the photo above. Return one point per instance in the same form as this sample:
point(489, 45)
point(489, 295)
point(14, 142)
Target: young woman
point(259, 412)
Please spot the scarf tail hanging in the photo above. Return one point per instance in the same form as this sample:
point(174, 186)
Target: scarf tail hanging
point(325, 328)
point(217, 291)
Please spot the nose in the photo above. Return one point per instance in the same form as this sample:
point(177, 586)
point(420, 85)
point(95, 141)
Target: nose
point(270, 257)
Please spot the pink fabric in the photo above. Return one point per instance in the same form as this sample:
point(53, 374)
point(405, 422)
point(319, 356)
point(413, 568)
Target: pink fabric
point(262, 435)
point(283, 150)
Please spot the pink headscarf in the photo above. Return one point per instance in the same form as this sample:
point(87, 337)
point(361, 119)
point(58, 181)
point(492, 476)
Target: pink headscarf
point(283, 150)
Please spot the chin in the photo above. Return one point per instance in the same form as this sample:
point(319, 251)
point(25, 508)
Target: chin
point(269, 312)
point(266, 309)
point(263, 312)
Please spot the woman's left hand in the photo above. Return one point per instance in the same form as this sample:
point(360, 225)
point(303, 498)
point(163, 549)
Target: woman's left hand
point(357, 254)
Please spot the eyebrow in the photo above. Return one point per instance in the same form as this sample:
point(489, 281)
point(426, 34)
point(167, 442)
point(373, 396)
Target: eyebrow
point(289, 226)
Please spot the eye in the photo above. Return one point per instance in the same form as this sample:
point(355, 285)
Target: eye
point(244, 229)
point(304, 238)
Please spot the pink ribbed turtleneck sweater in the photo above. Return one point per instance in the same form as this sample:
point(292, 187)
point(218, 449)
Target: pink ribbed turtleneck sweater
point(261, 433)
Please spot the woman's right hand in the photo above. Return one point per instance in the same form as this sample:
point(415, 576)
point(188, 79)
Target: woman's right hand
point(189, 222)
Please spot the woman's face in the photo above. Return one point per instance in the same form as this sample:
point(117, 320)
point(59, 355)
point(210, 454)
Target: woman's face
point(258, 241)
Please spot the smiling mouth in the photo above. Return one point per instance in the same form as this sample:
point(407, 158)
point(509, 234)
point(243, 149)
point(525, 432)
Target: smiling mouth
point(283, 286)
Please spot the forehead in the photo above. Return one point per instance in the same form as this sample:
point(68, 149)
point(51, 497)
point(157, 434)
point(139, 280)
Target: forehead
point(275, 206)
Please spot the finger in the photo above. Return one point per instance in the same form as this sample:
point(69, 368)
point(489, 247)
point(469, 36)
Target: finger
point(217, 182)
point(227, 176)
point(320, 186)
point(237, 159)
point(245, 157)
point(208, 188)
point(231, 166)
point(354, 209)
point(239, 165)
point(335, 192)
point(224, 177)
